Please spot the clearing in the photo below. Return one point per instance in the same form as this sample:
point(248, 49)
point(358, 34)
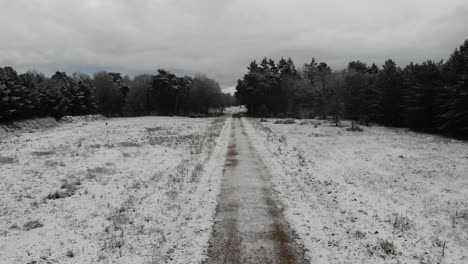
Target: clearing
point(384, 195)
point(235, 190)
point(122, 190)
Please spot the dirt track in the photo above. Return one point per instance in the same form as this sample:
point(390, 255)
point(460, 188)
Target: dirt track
point(249, 227)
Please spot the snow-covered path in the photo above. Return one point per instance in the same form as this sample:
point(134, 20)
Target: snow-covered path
point(249, 226)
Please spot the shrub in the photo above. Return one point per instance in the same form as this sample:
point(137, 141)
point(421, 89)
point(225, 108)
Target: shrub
point(354, 127)
point(285, 122)
point(7, 160)
point(67, 190)
point(32, 225)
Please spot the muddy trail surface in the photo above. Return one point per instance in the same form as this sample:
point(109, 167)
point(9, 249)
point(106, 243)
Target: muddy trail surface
point(249, 227)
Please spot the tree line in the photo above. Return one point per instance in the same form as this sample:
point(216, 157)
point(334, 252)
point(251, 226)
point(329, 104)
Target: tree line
point(32, 94)
point(430, 97)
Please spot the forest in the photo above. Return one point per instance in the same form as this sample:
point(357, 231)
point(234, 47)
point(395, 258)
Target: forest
point(430, 97)
point(32, 94)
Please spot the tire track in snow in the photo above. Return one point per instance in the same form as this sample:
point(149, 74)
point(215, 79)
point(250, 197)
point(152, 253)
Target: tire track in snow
point(249, 227)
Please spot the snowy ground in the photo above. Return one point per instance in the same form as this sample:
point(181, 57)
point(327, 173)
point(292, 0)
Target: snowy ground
point(145, 190)
point(134, 190)
point(379, 196)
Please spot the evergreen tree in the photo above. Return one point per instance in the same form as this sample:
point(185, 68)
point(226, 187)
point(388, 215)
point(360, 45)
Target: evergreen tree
point(391, 84)
point(108, 96)
point(310, 72)
point(358, 66)
point(122, 87)
point(322, 94)
point(424, 82)
point(355, 84)
point(16, 100)
point(371, 108)
point(452, 115)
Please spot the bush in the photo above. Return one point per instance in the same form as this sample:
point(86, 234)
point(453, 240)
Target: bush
point(280, 115)
point(32, 225)
point(285, 122)
point(196, 115)
point(263, 111)
point(355, 127)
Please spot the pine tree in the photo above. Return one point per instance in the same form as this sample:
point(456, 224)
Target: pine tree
point(452, 100)
point(391, 85)
point(15, 99)
point(322, 94)
point(256, 86)
point(423, 83)
point(371, 109)
point(355, 85)
point(358, 66)
point(5, 111)
point(123, 89)
point(310, 72)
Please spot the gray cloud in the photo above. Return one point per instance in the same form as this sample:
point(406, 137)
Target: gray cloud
point(220, 37)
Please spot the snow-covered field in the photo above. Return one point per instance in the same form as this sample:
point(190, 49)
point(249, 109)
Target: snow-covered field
point(144, 190)
point(383, 195)
point(124, 190)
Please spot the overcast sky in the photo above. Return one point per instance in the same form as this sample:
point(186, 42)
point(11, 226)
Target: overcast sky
point(220, 37)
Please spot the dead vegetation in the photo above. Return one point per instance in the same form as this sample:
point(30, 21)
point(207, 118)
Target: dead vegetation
point(383, 249)
point(196, 172)
point(43, 153)
point(129, 145)
point(33, 224)
point(354, 128)
point(126, 229)
point(94, 146)
point(70, 254)
point(100, 170)
point(359, 234)
point(114, 234)
point(93, 173)
point(7, 160)
point(153, 129)
point(285, 122)
point(66, 190)
point(54, 163)
point(387, 247)
point(460, 218)
point(315, 123)
point(401, 224)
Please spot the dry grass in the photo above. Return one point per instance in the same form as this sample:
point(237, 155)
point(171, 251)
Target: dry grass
point(70, 254)
point(285, 122)
point(66, 190)
point(129, 144)
point(359, 234)
point(130, 227)
point(152, 129)
point(7, 160)
point(387, 247)
point(43, 153)
point(14, 226)
point(383, 249)
point(401, 224)
point(30, 225)
point(196, 172)
point(92, 173)
point(54, 163)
